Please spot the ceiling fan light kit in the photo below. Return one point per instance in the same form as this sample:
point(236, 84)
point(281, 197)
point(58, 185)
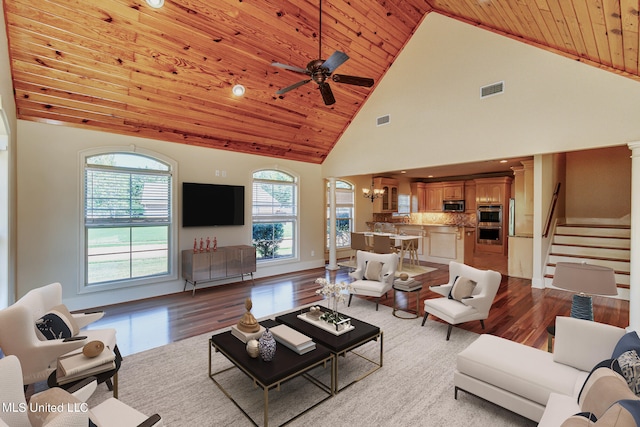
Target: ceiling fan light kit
point(320, 71)
point(156, 4)
point(238, 90)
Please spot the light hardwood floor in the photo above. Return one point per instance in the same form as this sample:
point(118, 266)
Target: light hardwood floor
point(519, 313)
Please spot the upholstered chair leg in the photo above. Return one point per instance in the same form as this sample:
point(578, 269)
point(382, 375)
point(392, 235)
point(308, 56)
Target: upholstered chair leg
point(377, 302)
point(449, 331)
point(350, 296)
point(424, 319)
point(482, 323)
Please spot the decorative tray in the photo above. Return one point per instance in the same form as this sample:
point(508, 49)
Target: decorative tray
point(324, 325)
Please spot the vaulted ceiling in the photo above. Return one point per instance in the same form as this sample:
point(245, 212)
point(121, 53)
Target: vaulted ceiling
point(121, 66)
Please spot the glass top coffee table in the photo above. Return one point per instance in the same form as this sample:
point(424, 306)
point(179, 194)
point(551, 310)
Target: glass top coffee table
point(285, 366)
point(339, 345)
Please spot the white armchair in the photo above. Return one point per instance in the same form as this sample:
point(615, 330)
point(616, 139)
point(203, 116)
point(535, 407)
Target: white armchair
point(38, 356)
point(75, 413)
point(468, 296)
point(374, 274)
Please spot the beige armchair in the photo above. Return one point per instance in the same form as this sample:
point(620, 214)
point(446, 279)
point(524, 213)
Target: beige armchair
point(74, 413)
point(374, 274)
point(19, 335)
point(467, 296)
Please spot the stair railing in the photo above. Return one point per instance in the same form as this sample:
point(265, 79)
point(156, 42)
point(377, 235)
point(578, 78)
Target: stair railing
point(552, 208)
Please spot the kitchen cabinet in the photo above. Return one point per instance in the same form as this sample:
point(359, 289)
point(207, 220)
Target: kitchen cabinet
point(453, 190)
point(470, 196)
point(492, 191)
point(227, 261)
point(389, 200)
point(418, 197)
point(433, 197)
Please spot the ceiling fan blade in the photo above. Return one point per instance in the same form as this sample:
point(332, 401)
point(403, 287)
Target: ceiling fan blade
point(327, 94)
point(334, 61)
point(352, 80)
point(293, 86)
point(290, 67)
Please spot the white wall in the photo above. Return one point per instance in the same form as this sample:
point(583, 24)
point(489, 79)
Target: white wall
point(49, 185)
point(432, 92)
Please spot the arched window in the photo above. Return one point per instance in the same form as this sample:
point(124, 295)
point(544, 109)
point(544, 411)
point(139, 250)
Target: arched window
point(128, 218)
point(344, 213)
point(275, 214)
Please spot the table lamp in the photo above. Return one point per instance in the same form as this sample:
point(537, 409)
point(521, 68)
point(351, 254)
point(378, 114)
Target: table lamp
point(587, 279)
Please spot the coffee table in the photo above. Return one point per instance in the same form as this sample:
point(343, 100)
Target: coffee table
point(268, 375)
point(339, 345)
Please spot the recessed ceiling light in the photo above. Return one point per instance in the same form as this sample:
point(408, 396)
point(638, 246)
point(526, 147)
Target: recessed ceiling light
point(503, 161)
point(238, 90)
point(156, 4)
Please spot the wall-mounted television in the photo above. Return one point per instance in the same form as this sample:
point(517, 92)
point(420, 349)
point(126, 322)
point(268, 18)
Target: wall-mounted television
point(205, 205)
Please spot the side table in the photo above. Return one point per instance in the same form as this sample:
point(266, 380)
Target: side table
point(108, 377)
point(407, 286)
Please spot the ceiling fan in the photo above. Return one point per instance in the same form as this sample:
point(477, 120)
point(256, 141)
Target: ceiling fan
point(320, 71)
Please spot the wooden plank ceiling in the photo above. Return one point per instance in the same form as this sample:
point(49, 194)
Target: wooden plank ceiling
point(121, 66)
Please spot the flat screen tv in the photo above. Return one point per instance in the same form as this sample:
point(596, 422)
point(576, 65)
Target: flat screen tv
point(205, 205)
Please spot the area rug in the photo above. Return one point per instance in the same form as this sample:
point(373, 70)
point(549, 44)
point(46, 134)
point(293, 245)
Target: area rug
point(414, 386)
point(411, 270)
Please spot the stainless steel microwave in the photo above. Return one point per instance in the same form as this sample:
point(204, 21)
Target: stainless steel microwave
point(453, 206)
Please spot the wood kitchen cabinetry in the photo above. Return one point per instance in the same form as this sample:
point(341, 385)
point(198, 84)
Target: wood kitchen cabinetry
point(433, 192)
point(227, 261)
point(418, 197)
point(492, 191)
point(389, 200)
point(470, 196)
point(453, 190)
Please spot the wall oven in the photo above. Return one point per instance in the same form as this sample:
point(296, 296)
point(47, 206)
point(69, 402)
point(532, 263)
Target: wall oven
point(489, 235)
point(490, 214)
point(489, 230)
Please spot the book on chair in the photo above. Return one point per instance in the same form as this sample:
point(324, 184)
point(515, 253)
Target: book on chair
point(76, 366)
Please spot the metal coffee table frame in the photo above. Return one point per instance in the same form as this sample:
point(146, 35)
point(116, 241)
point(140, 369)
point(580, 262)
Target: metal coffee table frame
point(342, 344)
point(278, 380)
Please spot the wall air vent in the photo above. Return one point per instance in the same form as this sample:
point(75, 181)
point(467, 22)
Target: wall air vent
point(383, 120)
point(492, 89)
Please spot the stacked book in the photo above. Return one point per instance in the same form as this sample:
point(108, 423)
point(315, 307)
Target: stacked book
point(407, 285)
point(246, 336)
point(77, 366)
point(293, 339)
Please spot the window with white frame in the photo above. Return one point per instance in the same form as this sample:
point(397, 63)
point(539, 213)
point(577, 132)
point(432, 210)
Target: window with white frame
point(128, 218)
point(275, 214)
point(344, 213)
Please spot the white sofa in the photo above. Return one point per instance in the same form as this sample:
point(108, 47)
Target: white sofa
point(539, 385)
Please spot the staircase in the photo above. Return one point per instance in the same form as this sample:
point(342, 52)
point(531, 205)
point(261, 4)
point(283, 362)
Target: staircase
point(606, 245)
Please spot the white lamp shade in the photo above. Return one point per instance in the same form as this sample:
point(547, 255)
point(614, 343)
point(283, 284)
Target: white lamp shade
point(587, 278)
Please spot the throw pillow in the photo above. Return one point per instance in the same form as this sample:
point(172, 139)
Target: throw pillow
point(583, 419)
point(623, 413)
point(57, 323)
point(629, 341)
point(609, 363)
point(373, 270)
point(51, 403)
point(602, 389)
point(630, 365)
point(462, 288)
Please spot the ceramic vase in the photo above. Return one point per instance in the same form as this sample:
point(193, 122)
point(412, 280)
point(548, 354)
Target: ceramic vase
point(267, 345)
point(253, 348)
